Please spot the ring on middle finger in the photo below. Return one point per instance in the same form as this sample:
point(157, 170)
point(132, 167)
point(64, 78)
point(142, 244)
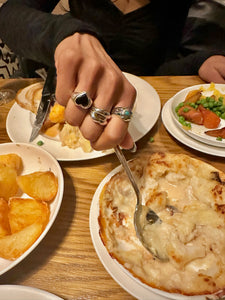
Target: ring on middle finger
point(100, 116)
point(81, 99)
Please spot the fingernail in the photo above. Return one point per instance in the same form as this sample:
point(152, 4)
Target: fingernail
point(133, 149)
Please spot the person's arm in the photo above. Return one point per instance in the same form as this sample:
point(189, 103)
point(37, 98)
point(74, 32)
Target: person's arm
point(82, 64)
point(28, 28)
point(202, 47)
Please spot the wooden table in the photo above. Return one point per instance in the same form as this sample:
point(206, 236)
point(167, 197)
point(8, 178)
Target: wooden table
point(65, 262)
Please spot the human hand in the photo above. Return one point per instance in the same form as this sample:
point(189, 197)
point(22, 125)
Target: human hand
point(83, 65)
point(213, 69)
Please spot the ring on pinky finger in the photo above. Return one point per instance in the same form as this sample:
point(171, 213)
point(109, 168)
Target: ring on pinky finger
point(125, 113)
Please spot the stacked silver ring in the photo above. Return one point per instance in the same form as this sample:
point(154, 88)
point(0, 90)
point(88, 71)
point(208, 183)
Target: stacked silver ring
point(124, 113)
point(81, 99)
point(99, 115)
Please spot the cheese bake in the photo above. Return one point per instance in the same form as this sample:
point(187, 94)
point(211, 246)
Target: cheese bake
point(189, 197)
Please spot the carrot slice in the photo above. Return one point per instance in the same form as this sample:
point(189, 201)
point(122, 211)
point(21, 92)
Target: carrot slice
point(190, 114)
point(210, 119)
point(217, 133)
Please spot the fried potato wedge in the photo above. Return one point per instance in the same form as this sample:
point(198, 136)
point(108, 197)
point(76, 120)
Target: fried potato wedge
point(4, 221)
point(42, 186)
point(25, 211)
point(11, 160)
point(14, 245)
point(193, 96)
point(8, 182)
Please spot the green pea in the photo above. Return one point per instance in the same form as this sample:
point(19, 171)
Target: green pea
point(222, 116)
point(151, 140)
point(40, 143)
point(181, 119)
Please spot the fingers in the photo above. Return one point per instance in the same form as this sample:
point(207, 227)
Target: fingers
point(115, 133)
point(83, 66)
point(213, 69)
point(116, 130)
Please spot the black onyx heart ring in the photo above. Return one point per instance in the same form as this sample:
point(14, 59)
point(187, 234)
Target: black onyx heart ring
point(81, 99)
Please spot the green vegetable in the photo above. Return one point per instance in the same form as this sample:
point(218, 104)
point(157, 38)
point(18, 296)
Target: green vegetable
point(151, 140)
point(40, 143)
point(219, 138)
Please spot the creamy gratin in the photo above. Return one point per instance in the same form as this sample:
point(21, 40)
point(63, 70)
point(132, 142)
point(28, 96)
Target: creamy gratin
point(189, 196)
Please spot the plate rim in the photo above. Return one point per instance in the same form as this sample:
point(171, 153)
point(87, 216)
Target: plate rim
point(33, 290)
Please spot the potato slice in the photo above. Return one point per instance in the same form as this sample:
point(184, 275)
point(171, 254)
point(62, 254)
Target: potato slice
point(42, 186)
point(11, 160)
point(14, 245)
point(193, 96)
point(85, 144)
point(8, 183)
point(24, 212)
point(54, 130)
point(4, 221)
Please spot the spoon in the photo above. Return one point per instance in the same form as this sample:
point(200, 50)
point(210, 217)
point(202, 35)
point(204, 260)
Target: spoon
point(143, 215)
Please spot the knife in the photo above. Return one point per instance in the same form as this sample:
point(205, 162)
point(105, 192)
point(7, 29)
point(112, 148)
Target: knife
point(48, 97)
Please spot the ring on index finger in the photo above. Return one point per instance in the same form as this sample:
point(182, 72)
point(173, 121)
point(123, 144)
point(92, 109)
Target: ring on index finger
point(99, 115)
point(81, 99)
point(124, 113)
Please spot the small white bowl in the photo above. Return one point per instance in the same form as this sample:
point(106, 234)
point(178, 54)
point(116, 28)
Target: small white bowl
point(34, 159)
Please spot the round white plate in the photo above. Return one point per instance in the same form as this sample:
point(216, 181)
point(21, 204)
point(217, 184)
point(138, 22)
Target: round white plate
point(19, 124)
point(179, 134)
point(197, 131)
point(34, 159)
point(124, 278)
point(21, 292)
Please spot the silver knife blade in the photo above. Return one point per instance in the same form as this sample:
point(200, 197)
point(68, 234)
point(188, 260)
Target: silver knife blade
point(46, 100)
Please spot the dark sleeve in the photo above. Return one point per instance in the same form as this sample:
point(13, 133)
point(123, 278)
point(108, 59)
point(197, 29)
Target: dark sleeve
point(203, 36)
point(31, 31)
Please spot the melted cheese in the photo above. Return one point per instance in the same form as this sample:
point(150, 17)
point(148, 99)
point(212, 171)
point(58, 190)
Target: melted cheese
point(192, 235)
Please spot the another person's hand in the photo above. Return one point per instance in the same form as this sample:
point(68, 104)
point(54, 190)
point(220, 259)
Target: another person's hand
point(83, 65)
point(213, 69)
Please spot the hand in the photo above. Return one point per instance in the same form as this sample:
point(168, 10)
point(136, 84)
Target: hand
point(213, 69)
point(83, 65)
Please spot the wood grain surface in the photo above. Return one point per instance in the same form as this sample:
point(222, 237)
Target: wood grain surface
point(65, 262)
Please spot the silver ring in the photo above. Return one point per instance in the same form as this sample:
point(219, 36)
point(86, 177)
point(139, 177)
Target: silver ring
point(81, 99)
point(99, 115)
point(124, 113)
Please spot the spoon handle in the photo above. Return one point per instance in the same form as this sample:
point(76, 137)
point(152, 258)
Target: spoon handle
point(126, 167)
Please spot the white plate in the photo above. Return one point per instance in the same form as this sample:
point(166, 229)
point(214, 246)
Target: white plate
point(34, 159)
point(145, 115)
point(124, 278)
point(176, 132)
point(197, 131)
point(21, 292)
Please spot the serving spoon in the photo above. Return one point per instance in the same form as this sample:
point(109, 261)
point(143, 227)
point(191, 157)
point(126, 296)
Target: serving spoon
point(143, 214)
